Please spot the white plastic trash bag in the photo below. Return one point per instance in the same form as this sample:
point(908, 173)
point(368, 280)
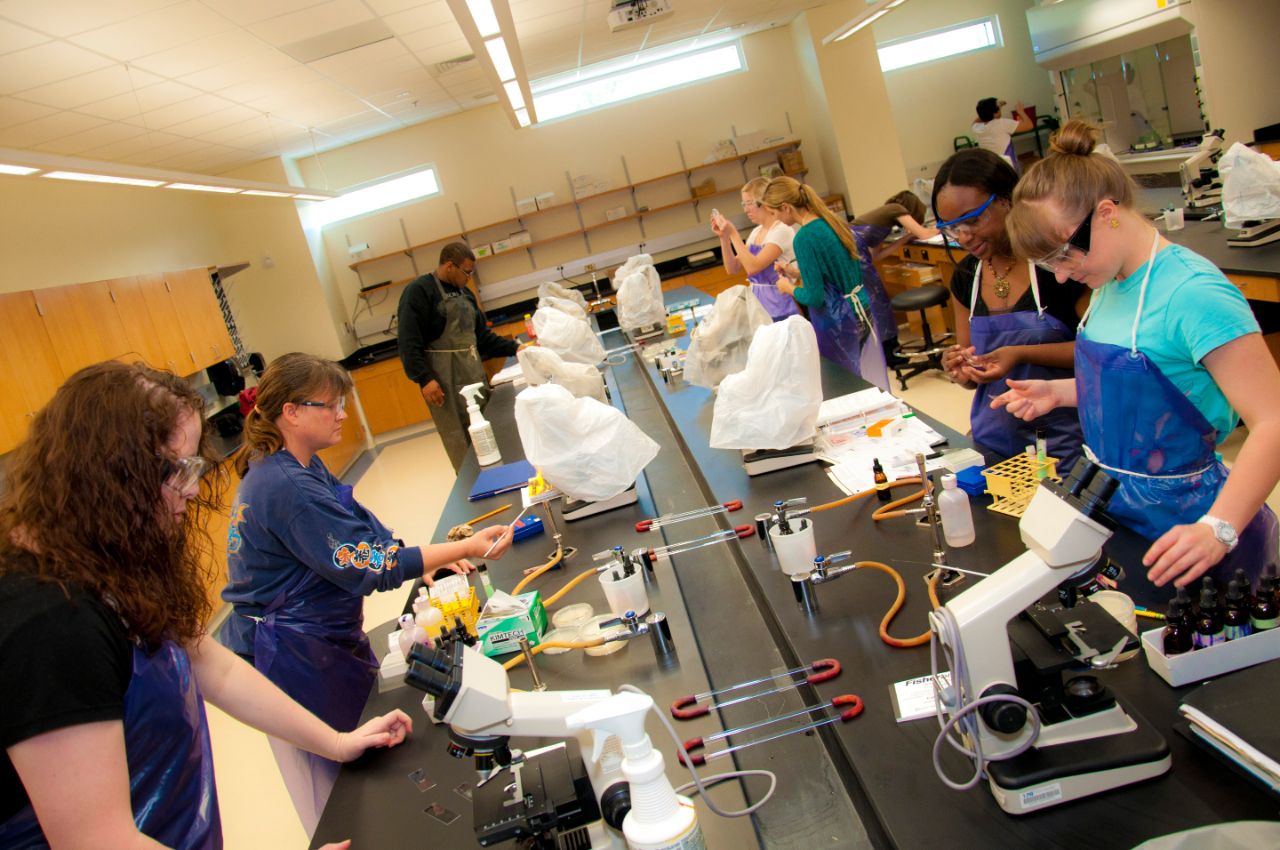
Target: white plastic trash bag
point(718, 347)
point(1250, 185)
point(551, 289)
point(772, 403)
point(570, 337)
point(565, 305)
point(639, 261)
point(640, 299)
point(541, 365)
point(586, 449)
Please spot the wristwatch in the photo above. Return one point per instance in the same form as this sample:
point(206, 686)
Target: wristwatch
point(1223, 530)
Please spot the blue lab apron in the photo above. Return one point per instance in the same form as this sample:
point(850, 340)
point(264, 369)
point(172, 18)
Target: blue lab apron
point(868, 237)
point(997, 430)
point(846, 336)
point(166, 741)
point(1159, 446)
point(764, 286)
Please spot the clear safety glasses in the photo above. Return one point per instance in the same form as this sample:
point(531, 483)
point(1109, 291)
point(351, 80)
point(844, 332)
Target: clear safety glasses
point(1073, 252)
point(183, 474)
point(964, 225)
point(339, 405)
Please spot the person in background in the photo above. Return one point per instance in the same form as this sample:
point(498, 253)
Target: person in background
point(443, 339)
point(1168, 360)
point(104, 660)
point(870, 230)
point(994, 132)
point(302, 554)
point(826, 277)
point(1012, 319)
point(768, 243)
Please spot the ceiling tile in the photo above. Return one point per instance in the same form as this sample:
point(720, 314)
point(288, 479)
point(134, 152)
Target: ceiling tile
point(44, 129)
point(371, 57)
point(127, 105)
point(226, 133)
point(204, 52)
point(199, 127)
point(570, 20)
point(65, 17)
point(312, 22)
point(239, 70)
point(390, 7)
point(435, 37)
point(117, 151)
point(183, 110)
point(45, 63)
point(77, 143)
point(15, 111)
point(444, 52)
point(170, 26)
point(420, 17)
point(14, 37)
point(102, 84)
point(245, 12)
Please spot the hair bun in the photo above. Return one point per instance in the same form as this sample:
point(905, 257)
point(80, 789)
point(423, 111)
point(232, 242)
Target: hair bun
point(1076, 138)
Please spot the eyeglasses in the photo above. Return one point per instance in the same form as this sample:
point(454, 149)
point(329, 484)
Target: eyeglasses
point(1073, 252)
point(338, 405)
point(966, 223)
point(746, 205)
point(183, 474)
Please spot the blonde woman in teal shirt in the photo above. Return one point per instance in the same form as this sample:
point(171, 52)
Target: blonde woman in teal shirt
point(826, 278)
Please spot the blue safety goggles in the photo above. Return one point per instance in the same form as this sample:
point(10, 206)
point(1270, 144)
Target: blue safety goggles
point(965, 223)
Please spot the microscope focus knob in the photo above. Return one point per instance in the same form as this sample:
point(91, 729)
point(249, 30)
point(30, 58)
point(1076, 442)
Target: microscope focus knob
point(1003, 716)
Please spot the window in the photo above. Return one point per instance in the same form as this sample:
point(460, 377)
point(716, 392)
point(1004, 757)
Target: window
point(379, 196)
point(613, 82)
point(969, 37)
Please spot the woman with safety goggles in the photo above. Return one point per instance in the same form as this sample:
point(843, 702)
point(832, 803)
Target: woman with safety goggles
point(105, 664)
point(1013, 321)
point(1169, 359)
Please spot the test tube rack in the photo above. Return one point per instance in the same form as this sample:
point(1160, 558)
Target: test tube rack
point(1011, 483)
point(464, 607)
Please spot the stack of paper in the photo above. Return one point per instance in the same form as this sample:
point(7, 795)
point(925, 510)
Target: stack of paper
point(1234, 715)
point(507, 375)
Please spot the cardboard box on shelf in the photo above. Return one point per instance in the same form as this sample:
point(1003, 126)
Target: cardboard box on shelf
point(485, 250)
point(723, 149)
point(501, 245)
point(524, 206)
point(615, 213)
point(705, 188)
point(750, 142)
point(791, 161)
point(520, 237)
point(545, 199)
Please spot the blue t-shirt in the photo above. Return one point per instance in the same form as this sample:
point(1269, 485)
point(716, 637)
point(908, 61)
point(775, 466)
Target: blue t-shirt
point(287, 518)
point(1189, 310)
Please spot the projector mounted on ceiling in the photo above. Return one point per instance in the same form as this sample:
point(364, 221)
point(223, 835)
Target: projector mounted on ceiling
point(630, 13)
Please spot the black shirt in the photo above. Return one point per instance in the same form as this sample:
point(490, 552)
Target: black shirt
point(63, 662)
point(1059, 299)
point(420, 319)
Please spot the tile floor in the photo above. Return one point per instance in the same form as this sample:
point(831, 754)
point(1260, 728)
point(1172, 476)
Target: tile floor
point(406, 484)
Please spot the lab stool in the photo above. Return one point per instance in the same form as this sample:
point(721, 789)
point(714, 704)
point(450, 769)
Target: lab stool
point(923, 354)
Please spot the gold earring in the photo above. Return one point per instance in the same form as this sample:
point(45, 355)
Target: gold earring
point(1115, 222)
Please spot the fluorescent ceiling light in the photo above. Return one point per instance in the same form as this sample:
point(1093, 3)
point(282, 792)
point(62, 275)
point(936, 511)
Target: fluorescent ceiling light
point(198, 187)
point(863, 19)
point(101, 178)
point(513, 94)
point(482, 13)
point(266, 194)
point(305, 197)
point(501, 59)
point(522, 115)
point(16, 169)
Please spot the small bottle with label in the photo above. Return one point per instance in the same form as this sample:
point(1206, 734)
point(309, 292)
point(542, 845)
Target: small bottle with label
point(1265, 614)
point(1209, 629)
point(483, 571)
point(1042, 454)
point(1178, 635)
point(881, 480)
point(1246, 588)
point(1235, 620)
point(528, 328)
point(957, 515)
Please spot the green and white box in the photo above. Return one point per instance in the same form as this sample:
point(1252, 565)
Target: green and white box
point(501, 635)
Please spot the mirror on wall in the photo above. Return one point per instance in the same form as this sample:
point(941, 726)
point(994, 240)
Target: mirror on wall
point(1144, 99)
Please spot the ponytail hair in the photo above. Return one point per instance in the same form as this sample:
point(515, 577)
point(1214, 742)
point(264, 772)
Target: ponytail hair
point(289, 379)
point(788, 190)
point(1076, 178)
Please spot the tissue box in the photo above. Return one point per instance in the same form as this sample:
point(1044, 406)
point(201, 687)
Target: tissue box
point(615, 213)
point(501, 635)
point(515, 240)
point(545, 199)
point(485, 250)
point(524, 206)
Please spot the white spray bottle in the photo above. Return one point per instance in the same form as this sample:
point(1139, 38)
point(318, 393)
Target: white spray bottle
point(659, 818)
point(480, 430)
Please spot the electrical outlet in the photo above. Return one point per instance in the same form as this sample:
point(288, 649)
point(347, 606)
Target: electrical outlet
point(589, 267)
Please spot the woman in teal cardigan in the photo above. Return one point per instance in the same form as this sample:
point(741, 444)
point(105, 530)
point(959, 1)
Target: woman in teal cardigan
point(826, 278)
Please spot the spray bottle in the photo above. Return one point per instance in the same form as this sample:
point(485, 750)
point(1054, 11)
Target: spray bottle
point(659, 819)
point(480, 430)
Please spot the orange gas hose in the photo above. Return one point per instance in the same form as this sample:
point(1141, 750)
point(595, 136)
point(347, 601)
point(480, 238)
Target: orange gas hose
point(524, 582)
point(573, 582)
point(884, 511)
point(932, 583)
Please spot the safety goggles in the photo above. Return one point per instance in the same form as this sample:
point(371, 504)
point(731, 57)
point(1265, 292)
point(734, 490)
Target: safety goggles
point(963, 225)
point(338, 405)
point(1073, 252)
point(183, 474)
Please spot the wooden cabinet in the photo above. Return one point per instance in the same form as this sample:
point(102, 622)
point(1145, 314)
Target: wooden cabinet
point(389, 399)
point(170, 343)
point(28, 363)
point(200, 317)
point(84, 324)
point(144, 343)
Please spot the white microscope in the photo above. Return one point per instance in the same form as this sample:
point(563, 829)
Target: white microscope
point(1201, 185)
point(548, 802)
point(1036, 749)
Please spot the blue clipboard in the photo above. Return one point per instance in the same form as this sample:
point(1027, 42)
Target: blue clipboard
point(501, 479)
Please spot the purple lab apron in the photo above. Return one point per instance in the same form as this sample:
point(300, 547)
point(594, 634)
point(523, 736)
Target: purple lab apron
point(166, 741)
point(846, 336)
point(1159, 446)
point(998, 430)
point(868, 237)
point(764, 286)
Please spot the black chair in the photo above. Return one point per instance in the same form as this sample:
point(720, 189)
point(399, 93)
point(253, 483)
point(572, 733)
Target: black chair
point(923, 354)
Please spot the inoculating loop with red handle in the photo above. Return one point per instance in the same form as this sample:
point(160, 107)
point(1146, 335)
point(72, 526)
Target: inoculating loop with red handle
point(744, 531)
point(685, 708)
point(823, 669)
point(644, 525)
point(689, 746)
point(851, 700)
point(734, 505)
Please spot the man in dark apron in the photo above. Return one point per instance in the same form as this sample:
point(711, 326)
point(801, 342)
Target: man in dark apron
point(443, 339)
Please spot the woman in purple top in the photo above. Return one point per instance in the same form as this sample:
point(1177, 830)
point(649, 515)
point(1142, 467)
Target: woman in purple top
point(769, 242)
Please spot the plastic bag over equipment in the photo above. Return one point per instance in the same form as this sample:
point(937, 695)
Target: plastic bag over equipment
point(541, 365)
point(718, 346)
point(551, 289)
point(1250, 185)
point(572, 337)
point(639, 295)
point(772, 403)
point(587, 449)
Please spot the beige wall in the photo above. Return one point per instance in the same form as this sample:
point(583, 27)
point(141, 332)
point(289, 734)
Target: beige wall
point(933, 103)
point(815, 99)
point(1237, 40)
